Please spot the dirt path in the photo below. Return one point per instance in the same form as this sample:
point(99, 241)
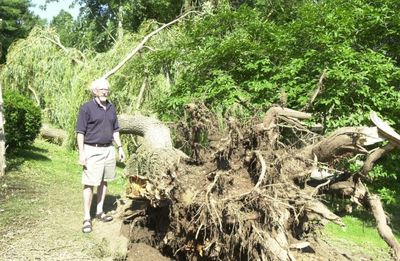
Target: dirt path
point(41, 212)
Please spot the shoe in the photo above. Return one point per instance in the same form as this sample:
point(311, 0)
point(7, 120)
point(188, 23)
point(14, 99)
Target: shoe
point(103, 217)
point(87, 228)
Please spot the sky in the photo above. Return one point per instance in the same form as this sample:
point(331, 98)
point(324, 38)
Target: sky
point(54, 8)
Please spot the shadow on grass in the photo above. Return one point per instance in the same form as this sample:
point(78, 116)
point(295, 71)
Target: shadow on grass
point(393, 213)
point(16, 157)
point(121, 165)
point(110, 204)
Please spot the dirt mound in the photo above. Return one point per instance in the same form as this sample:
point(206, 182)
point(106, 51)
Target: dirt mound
point(144, 252)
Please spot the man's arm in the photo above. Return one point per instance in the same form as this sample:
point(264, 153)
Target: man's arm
point(82, 157)
point(117, 141)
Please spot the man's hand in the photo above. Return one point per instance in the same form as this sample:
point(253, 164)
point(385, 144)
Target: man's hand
point(121, 154)
point(82, 159)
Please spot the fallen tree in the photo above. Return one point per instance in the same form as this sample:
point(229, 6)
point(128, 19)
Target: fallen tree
point(250, 192)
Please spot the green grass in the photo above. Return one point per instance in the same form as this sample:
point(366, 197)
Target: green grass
point(357, 232)
point(359, 236)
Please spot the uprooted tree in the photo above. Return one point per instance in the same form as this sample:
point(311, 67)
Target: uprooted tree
point(251, 192)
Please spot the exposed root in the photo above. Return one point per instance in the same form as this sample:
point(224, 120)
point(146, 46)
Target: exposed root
point(243, 193)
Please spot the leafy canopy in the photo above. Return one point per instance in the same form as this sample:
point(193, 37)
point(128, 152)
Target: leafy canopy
point(15, 22)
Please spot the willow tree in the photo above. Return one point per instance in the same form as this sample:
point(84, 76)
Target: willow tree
point(57, 77)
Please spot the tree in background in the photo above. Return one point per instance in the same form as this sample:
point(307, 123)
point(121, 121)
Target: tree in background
point(15, 22)
point(66, 28)
point(101, 22)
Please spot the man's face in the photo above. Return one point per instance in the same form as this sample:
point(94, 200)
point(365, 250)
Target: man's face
point(102, 93)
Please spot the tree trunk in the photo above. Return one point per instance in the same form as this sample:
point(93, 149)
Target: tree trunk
point(155, 133)
point(57, 136)
point(346, 139)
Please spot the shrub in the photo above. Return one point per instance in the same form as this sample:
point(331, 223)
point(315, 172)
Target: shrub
point(23, 119)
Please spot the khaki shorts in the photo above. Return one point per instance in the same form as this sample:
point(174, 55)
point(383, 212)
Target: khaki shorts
point(100, 165)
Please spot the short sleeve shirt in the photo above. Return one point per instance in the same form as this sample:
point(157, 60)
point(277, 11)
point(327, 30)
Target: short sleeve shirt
point(96, 124)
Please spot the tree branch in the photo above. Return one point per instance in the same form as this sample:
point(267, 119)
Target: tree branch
point(317, 91)
point(374, 156)
point(58, 43)
point(141, 44)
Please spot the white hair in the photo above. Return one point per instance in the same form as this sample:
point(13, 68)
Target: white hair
point(98, 84)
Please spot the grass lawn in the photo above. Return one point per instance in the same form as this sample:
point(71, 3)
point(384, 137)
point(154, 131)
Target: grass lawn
point(360, 235)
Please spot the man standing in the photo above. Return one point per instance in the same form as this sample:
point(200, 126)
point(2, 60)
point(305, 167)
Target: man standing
point(97, 127)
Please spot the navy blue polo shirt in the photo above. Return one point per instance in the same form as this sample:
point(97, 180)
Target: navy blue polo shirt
point(96, 124)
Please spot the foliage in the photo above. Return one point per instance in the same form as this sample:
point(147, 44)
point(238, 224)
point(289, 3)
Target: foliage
point(22, 120)
point(65, 26)
point(101, 23)
point(40, 69)
point(385, 181)
point(242, 56)
point(239, 57)
point(15, 22)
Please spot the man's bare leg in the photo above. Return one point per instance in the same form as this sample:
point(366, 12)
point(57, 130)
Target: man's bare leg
point(101, 195)
point(87, 202)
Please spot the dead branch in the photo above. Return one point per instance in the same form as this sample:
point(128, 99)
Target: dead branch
point(320, 85)
point(35, 95)
point(273, 112)
point(319, 208)
point(385, 131)
point(272, 116)
point(263, 169)
point(342, 140)
point(55, 135)
point(155, 132)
